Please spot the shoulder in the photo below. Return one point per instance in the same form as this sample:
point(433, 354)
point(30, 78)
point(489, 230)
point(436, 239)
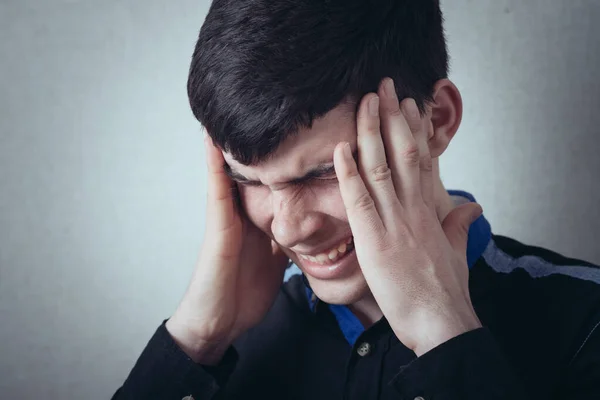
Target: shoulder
point(537, 271)
point(503, 249)
point(536, 300)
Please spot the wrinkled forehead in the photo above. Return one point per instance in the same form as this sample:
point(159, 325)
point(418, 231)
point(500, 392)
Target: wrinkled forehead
point(303, 151)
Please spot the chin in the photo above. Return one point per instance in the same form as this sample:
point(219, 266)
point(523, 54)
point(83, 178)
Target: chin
point(339, 282)
point(345, 291)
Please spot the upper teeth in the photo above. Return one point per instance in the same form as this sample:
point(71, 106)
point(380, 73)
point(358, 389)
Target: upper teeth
point(330, 255)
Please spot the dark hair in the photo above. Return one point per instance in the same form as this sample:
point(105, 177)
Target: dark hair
point(263, 69)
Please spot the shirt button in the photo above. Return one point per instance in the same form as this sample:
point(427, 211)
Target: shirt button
point(364, 349)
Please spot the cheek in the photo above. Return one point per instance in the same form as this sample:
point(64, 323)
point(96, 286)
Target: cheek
point(333, 204)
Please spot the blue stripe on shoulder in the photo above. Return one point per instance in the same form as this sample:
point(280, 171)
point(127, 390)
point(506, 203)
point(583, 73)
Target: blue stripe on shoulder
point(536, 266)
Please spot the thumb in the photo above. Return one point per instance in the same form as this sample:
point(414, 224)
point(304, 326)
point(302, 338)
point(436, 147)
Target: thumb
point(457, 222)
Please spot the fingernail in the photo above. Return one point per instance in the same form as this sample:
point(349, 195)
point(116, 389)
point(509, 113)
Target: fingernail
point(389, 88)
point(374, 106)
point(476, 214)
point(347, 151)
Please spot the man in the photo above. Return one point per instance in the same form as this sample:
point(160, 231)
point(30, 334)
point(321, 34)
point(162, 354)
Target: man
point(325, 123)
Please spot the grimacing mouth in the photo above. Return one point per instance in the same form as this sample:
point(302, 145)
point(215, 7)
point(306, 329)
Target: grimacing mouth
point(331, 255)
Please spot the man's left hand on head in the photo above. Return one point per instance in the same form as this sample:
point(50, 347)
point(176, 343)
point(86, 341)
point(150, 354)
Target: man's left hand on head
point(415, 264)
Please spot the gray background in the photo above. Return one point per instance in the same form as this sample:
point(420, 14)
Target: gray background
point(102, 166)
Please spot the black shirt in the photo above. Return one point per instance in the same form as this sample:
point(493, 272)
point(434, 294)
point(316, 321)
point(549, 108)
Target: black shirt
point(540, 340)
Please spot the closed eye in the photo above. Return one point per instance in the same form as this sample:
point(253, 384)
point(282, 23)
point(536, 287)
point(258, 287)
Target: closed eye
point(248, 183)
point(322, 173)
point(328, 177)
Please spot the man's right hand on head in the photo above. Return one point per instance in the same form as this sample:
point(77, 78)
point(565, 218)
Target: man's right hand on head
point(237, 276)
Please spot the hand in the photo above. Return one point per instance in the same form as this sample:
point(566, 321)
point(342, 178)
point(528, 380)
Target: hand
point(415, 267)
point(237, 276)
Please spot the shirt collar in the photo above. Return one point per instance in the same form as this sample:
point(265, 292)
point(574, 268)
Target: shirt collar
point(480, 231)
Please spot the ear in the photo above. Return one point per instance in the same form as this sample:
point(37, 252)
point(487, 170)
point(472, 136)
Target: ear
point(446, 114)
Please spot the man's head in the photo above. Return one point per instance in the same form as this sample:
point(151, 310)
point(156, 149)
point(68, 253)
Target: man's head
point(276, 85)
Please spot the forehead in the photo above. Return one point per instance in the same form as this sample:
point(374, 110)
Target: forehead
point(305, 150)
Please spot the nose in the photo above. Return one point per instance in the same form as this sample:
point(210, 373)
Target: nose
point(294, 217)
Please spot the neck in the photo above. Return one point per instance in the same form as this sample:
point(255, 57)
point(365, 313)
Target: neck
point(366, 309)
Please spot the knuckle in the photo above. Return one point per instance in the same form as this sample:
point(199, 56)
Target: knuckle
point(373, 127)
point(394, 111)
point(387, 245)
point(364, 202)
point(381, 173)
point(410, 154)
point(426, 164)
point(351, 174)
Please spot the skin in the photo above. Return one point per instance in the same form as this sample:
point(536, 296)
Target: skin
point(414, 266)
point(410, 240)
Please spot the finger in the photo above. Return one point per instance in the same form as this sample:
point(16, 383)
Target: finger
point(401, 146)
point(372, 163)
point(221, 202)
point(362, 214)
point(419, 129)
point(457, 223)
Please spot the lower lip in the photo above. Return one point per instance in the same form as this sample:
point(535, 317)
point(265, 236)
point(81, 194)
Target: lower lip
point(330, 271)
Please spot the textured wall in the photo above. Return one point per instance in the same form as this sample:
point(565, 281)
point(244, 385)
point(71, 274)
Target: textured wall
point(102, 168)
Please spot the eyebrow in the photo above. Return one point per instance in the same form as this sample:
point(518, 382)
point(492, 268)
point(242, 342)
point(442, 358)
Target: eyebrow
point(320, 171)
